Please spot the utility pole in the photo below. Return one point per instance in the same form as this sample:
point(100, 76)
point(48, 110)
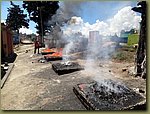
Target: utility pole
point(40, 8)
point(41, 24)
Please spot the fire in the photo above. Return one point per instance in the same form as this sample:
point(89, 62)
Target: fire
point(48, 50)
point(57, 53)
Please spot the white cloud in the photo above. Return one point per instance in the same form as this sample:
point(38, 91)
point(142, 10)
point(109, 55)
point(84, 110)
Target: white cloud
point(3, 21)
point(24, 30)
point(124, 19)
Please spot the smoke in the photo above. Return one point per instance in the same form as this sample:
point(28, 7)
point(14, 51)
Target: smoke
point(67, 51)
point(67, 10)
point(69, 22)
point(124, 19)
point(111, 86)
point(74, 31)
point(71, 28)
point(63, 15)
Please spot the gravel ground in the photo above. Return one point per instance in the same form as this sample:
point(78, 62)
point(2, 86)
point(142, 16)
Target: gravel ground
point(35, 86)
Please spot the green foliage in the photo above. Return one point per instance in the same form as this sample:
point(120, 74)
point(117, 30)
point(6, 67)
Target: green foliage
point(41, 12)
point(128, 48)
point(126, 53)
point(133, 39)
point(119, 56)
point(15, 18)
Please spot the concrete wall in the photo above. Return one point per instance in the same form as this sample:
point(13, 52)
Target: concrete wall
point(7, 41)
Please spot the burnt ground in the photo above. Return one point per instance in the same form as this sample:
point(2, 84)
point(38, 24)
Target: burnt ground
point(35, 86)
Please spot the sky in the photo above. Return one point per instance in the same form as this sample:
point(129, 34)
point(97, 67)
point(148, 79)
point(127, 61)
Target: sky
point(90, 11)
point(94, 10)
point(4, 12)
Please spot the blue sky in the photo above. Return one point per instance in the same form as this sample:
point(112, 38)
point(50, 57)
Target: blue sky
point(90, 11)
point(94, 10)
point(6, 4)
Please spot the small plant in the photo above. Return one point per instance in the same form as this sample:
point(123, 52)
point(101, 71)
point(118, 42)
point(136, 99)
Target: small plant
point(124, 56)
point(120, 56)
point(128, 48)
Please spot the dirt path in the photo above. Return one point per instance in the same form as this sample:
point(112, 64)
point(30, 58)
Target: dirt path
point(35, 86)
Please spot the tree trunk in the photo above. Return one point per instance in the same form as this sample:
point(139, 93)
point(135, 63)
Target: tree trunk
point(141, 50)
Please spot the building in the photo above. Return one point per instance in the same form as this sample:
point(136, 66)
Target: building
point(93, 36)
point(128, 37)
point(6, 41)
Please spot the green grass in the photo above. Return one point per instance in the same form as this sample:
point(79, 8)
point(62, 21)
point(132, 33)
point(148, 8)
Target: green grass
point(124, 54)
point(128, 48)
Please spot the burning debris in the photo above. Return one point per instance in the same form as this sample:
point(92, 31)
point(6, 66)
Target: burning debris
point(66, 67)
point(107, 95)
point(54, 56)
point(47, 51)
point(57, 55)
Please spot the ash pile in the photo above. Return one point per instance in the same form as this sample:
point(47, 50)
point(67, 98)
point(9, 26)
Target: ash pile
point(108, 95)
point(66, 67)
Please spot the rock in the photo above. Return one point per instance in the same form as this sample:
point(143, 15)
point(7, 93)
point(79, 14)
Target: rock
point(124, 69)
point(100, 65)
point(131, 71)
point(141, 91)
point(26, 51)
point(56, 80)
point(32, 55)
point(42, 60)
point(32, 69)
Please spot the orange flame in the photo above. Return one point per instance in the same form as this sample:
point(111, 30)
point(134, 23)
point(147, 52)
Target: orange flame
point(55, 54)
point(48, 50)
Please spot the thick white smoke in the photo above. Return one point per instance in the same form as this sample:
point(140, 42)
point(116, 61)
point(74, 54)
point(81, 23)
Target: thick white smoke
point(66, 10)
point(67, 51)
point(125, 19)
point(75, 29)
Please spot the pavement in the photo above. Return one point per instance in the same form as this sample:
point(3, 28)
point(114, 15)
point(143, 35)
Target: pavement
point(35, 86)
point(10, 67)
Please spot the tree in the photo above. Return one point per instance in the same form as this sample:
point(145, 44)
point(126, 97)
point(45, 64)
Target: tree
point(141, 50)
point(15, 18)
point(41, 12)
